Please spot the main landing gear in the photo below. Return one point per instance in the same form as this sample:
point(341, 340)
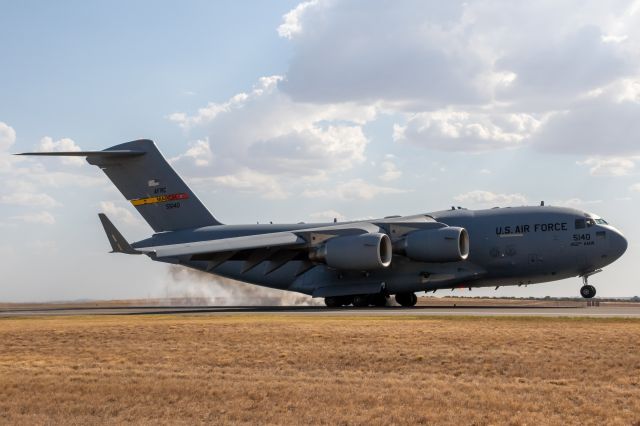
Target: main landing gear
point(587, 290)
point(359, 301)
point(406, 299)
point(364, 300)
point(333, 302)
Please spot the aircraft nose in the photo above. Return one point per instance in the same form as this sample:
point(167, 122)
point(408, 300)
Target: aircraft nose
point(618, 244)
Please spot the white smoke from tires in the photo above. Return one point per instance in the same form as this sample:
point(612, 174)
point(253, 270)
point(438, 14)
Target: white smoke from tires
point(191, 287)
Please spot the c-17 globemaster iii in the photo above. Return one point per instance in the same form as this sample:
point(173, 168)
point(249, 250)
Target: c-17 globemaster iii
point(356, 263)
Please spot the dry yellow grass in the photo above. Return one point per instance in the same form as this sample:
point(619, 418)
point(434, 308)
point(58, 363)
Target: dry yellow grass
point(301, 369)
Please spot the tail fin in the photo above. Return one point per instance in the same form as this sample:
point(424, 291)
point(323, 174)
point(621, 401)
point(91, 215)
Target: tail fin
point(145, 178)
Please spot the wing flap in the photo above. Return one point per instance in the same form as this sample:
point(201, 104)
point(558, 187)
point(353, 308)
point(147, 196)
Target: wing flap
point(249, 242)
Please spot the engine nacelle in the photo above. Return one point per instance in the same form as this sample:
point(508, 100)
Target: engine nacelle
point(446, 244)
point(363, 252)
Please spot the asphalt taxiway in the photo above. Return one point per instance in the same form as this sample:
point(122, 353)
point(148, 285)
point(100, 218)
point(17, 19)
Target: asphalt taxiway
point(631, 311)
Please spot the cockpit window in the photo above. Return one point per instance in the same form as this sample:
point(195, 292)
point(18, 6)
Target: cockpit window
point(580, 223)
point(601, 222)
point(590, 223)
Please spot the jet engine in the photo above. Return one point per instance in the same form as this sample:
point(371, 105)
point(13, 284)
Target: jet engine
point(355, 252)
point(446, 244)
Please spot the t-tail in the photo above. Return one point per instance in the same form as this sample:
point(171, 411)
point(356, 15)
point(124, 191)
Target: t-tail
point(146, 179)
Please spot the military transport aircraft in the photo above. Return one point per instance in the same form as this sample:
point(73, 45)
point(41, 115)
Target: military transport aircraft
point(357, 263)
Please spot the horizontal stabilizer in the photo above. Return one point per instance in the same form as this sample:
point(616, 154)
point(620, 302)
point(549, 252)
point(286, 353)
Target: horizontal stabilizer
point(117, 241)
point(112, 153)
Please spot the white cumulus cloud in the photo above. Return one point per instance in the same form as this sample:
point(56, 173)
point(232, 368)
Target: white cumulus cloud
point(47, 144)
point(355, 189)
point(327, 216)
point(42, 217)
point(485, 198)
point(265, 133)
point(291, 24)
point(476, 75)
point(613, 166)
point(119, 213)
point(429, 53)
point(199, 152)
point(575, 202)
point(28, 199)
point(604, 124)
point(453, 130)
point(248, 181)
point(7, 136)
point(389, 171)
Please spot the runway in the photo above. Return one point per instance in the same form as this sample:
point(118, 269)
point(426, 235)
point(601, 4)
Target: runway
point(616, 311)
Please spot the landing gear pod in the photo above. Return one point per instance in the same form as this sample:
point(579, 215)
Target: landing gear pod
point(447, 244)
point(356, 253)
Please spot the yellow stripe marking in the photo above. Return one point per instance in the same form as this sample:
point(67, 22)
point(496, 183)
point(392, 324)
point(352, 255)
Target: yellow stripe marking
point(159, 199)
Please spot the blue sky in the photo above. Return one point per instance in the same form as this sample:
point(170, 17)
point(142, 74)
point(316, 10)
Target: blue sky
point(128, 62)
point(302, 111)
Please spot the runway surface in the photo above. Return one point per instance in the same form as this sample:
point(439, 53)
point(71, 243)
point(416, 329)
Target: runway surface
point(632, 311)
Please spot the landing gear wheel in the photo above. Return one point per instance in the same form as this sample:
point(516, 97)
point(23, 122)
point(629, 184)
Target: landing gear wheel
point(332, 302)
point(406, 299)
point(361, 301)
point(346, 300)
point(379, 300)
point(587, 291)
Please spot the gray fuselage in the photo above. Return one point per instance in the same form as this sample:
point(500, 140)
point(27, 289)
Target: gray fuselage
point(508, 246)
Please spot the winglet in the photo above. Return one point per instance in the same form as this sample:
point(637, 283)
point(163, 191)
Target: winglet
point(117, 241)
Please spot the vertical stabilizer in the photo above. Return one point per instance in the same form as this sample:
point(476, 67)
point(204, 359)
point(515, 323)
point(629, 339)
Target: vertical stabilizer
point(146, 179)
point(154, 188)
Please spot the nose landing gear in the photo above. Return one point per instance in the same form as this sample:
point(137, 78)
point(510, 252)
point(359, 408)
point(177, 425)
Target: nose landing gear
point(587, 290)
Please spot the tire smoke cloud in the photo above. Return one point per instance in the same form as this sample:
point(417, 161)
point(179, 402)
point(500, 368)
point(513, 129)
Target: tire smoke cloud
point(192, 287)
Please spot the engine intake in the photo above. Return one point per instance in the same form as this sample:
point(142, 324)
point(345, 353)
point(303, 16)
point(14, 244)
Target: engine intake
point(355, 252)
point(447, 244)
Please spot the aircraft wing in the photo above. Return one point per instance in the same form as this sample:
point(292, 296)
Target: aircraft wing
point(295, 239)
